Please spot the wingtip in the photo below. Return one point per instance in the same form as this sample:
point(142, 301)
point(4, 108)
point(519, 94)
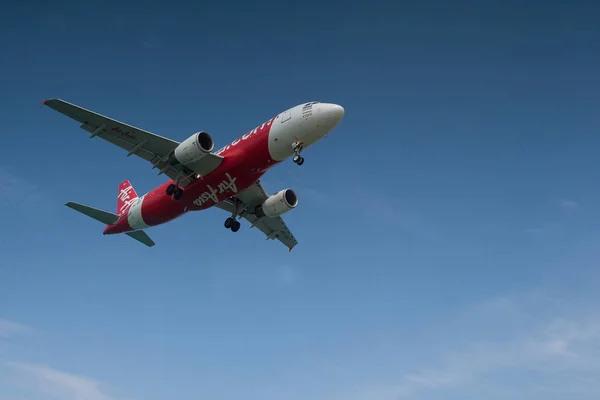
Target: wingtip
point(47, 102)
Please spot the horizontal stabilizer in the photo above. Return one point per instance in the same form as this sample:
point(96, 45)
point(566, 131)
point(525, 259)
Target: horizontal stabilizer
point(105, 217)
point(141, 237)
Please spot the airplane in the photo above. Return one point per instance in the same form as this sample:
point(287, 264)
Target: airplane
point(201, 178)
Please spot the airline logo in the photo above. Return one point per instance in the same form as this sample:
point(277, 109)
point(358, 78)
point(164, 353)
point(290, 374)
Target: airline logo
point(123, 133)
point(126, 197)
point(213, 194)
point(246, 136)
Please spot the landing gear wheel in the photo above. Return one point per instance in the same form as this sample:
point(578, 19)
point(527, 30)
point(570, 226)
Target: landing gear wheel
point(298, 146)
point(171, 189)
point(178, 193)
point(231, 223)
point(175, 191)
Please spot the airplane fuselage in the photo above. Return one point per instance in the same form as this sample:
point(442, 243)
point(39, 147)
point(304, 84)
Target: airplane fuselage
point(245, 160)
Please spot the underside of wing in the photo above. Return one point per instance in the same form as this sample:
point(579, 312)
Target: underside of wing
point(272, 227)
point(141, 237)
point(149, 146)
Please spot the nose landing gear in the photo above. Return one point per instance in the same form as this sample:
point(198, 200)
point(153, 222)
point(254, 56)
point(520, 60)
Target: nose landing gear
point(298, 146)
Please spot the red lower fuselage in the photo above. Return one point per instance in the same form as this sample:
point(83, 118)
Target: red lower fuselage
point(244, 168)
point(245, 160)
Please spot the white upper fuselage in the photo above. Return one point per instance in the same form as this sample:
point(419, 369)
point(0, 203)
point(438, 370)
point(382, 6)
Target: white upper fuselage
point(307, 123)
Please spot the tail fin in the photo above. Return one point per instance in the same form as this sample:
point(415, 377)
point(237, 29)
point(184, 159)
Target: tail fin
point(125, 197)
point(109, 218)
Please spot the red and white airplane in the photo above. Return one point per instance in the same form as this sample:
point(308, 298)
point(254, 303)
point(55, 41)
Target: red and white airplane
point(200, 178)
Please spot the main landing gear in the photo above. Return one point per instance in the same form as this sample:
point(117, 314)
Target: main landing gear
point(174, 190)
point(298, 146)
point(231, 223)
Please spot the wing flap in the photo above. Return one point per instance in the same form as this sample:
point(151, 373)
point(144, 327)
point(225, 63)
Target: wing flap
point(272, 227)
point(146, 145)
point(116, 132)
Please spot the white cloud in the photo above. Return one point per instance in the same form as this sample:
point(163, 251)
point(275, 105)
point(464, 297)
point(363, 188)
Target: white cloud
point(567, 204)
point(9, 328)
point(16, 190)
point(379, 206)
point(47, 381)
point(287, 275)
point(316, 196)
point(43, 380)
point(551, 355)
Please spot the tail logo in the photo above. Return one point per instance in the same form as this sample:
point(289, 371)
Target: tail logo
point(125, 198)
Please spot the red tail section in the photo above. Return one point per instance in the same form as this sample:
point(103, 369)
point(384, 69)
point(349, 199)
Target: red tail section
point(125, 197)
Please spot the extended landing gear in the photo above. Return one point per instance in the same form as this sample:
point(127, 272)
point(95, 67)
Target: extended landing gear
point(174, 190)
point(298, 146)
point(231, 223)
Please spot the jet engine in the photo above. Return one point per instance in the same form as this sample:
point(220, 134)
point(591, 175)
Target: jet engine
point(194, 148)
point(277, 204)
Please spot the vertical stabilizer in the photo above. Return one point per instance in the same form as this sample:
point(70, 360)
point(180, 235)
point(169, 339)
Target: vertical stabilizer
point(125, 197)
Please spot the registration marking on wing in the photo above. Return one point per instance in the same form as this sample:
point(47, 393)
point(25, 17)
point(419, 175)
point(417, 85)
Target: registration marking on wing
point(122, 133)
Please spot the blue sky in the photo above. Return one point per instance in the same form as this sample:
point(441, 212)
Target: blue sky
point(449, 227)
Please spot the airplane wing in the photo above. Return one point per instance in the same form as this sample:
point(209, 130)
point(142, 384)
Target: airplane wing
point(272, 227)
point(149, 146)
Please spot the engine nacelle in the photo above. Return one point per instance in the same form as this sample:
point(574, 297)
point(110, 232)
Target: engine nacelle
point(277, 204)
point(194, 149)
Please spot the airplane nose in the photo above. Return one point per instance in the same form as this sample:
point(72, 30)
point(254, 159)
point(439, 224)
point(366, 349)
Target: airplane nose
point(334, 113)
point(337, 111)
